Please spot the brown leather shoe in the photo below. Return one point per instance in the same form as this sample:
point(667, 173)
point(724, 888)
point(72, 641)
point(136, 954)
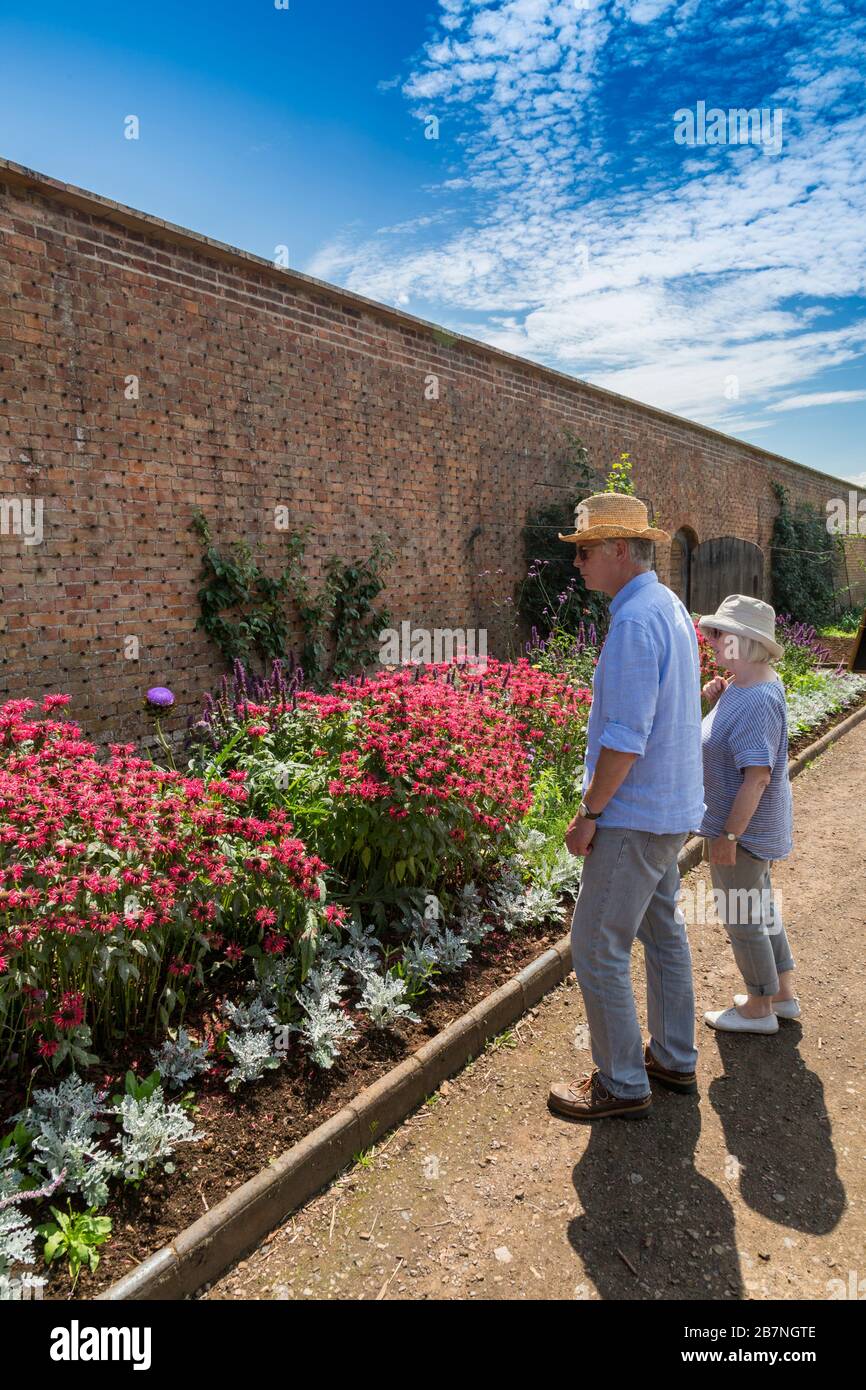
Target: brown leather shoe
point(686, 1082)
point(590, 1100)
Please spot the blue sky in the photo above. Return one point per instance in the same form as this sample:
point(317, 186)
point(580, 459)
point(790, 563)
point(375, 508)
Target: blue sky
point(555, 215)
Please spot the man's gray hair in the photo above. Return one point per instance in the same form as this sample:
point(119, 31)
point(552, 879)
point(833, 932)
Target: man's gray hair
point(640, 552)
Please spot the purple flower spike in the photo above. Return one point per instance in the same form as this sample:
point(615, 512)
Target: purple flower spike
point(159, 696)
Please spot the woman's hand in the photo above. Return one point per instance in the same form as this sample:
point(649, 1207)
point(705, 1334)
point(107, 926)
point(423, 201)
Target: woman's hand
point(714, 688)
point(723, 851)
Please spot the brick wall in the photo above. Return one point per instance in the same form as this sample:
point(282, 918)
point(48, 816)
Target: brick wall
point(260, 388)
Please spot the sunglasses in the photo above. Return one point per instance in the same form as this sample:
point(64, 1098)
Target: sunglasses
point(584, 551)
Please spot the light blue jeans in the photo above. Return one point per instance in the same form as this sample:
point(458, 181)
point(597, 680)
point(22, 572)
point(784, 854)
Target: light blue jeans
point(750, 915)
point(629, 889)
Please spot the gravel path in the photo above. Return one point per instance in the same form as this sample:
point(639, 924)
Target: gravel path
point(753, 1190)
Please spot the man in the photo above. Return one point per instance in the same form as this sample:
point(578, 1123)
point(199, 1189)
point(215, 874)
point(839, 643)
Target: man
point(642, 795)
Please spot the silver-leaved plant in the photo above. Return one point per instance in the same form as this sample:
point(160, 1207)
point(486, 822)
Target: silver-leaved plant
point(152, 1129)
point(384, 999)
point(64, 1124)
point(254, 1054)
point(180, 1060)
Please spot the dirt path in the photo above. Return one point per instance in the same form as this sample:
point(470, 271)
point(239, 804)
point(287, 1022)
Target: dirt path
point(753, 1190)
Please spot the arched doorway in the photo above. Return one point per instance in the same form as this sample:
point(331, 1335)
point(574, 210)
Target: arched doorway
point(682, 545)
point(725, 565)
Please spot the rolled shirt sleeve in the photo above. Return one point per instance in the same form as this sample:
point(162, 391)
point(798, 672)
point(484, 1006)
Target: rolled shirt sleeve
point(754, 741)
point(631, 687)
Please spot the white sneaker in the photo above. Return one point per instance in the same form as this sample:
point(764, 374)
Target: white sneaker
point(786, 1008)
point(730, 1021)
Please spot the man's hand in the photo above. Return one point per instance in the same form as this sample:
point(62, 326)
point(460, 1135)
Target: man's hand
point(578, 836)
point(723, 851)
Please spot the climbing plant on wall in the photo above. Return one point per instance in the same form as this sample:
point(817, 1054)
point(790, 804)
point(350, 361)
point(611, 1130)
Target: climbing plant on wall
point(803, 554)
point(552, 584)
point(246, 612)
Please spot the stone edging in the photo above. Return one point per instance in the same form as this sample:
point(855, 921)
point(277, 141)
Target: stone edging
point(235, 1225)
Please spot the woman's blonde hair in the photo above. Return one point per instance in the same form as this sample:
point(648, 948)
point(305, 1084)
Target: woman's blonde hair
point(750, 649)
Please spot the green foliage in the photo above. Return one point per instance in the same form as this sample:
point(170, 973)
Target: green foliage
point(803, 552)
point(75, 1236)
point(139, 1090)
point(847, 624)
point(563, 653)
point(355, 624)
point(235, 585)
point(245, 612)
point(550, 562)
point(619, 478)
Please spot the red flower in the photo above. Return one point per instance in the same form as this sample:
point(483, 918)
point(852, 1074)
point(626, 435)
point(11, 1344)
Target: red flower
point(70, 1012)
point(46, 1049)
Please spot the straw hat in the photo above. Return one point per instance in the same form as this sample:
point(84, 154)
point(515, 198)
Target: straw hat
point(610, 516)
point(746, 617)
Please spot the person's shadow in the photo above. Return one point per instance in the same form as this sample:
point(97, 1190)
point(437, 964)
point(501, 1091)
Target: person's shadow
point(652, 1224)
point(776, 1126)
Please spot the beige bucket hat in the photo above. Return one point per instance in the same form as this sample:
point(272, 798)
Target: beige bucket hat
point(610, 516)
point(745, 617)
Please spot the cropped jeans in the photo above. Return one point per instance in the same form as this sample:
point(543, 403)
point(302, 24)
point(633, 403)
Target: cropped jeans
point(747, 908)
point(629, 890)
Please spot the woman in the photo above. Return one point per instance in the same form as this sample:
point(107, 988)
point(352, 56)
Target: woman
point(749, 816)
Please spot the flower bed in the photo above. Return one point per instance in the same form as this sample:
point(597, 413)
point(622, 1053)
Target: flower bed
point(132, 895)
point(809, 711)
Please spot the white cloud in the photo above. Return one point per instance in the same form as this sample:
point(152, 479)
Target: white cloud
point(697, 268)
point(817, 398)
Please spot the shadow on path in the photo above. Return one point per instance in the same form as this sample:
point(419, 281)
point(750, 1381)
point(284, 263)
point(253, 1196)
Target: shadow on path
point(642, 1196)
point(775, 1121)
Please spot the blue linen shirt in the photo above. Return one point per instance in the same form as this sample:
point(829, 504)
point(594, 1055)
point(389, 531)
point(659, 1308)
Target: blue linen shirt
point(646, 699)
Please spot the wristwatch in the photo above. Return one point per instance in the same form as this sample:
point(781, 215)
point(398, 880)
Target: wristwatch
point(729, 835)
point(584, 811)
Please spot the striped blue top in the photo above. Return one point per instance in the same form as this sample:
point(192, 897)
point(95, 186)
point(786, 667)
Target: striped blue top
point(646, 699)
point(748, 727)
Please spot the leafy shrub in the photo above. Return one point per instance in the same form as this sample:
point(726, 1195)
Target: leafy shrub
point(385, 999)
point(409, 777)
point(152, 1129)
point(179, 1060)
point(253, 1051)
point(64, 1124)
point(803, 553)
point(323, 1029)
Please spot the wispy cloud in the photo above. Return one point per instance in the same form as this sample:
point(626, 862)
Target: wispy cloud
point(707, 280)
point(817, 398)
